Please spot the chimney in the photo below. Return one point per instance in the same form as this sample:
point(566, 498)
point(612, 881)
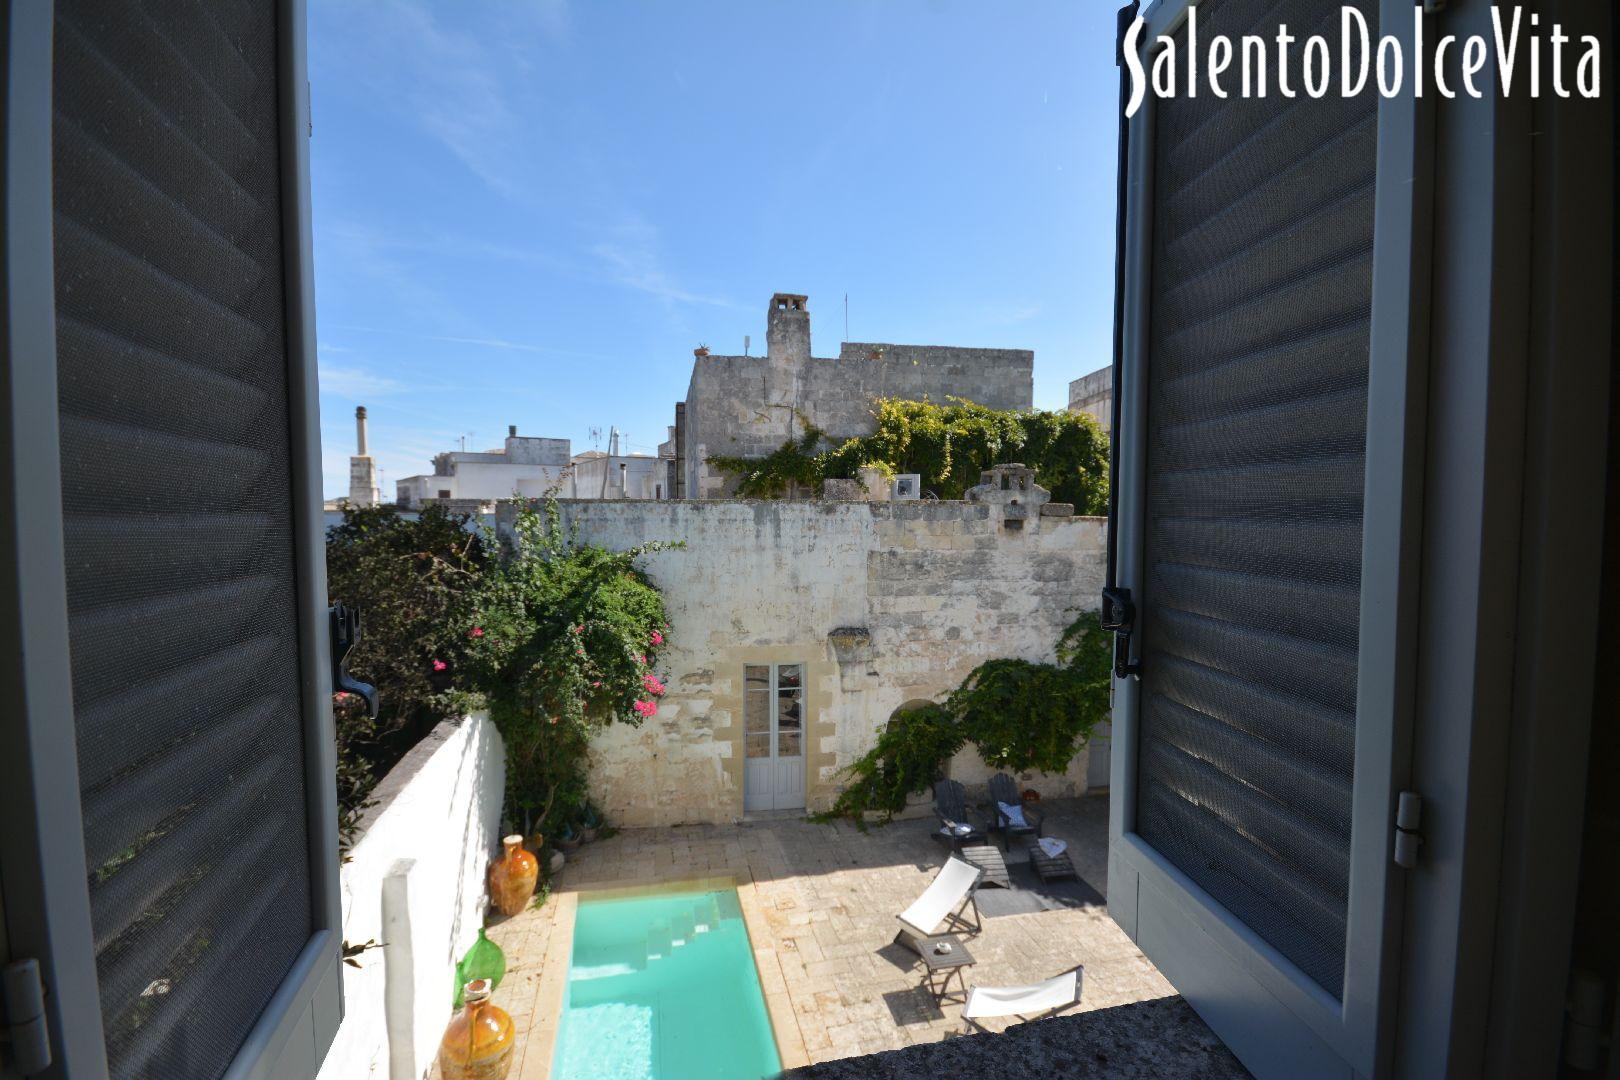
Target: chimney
point(511, 431)
point(787, 328)
point(360, 431)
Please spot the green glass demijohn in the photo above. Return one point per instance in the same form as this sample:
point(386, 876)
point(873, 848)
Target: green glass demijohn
point(483, 961)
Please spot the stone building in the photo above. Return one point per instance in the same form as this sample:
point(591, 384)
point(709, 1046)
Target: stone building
point(799, 627)
point(1094, 395)
point(748, 406)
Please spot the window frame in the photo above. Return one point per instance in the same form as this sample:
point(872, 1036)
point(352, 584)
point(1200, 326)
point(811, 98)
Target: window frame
point(1267, 1009)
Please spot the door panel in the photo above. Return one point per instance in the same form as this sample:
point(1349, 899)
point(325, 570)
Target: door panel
point(773, 734)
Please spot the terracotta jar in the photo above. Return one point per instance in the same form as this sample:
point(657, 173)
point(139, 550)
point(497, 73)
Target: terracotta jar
point(480, 1041)
point(512, 879)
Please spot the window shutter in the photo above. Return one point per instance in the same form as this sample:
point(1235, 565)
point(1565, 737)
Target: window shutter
point(1248, 845)
point(190, 548)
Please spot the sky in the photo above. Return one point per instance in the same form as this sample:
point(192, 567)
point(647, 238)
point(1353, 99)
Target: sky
point(531, 211)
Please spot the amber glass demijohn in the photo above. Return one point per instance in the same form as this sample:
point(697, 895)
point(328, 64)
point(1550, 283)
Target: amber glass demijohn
point(512, 879)
point(479, 1043)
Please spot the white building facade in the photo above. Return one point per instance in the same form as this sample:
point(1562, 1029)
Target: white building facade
point(525, 465)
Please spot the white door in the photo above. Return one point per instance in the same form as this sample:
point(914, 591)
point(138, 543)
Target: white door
point(773, 737)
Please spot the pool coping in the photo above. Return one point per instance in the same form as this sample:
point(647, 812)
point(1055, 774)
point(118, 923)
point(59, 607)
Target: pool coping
point(542, 1037)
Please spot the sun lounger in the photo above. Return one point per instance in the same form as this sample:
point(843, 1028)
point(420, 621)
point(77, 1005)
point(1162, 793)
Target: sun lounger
point(1034, 1002)
point(946, 900)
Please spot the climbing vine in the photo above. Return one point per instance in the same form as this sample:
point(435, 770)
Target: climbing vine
point(949, 445)
point(1021, 716)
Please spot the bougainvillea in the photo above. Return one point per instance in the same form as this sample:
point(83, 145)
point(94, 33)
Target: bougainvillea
point(569, 640)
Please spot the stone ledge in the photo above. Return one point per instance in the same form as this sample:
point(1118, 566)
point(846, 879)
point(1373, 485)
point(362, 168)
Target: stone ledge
point(1156, 1038)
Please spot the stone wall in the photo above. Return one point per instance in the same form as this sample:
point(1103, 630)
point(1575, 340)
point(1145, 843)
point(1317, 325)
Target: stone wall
point(1093, 395)
point(938, 587)
point(748, 406)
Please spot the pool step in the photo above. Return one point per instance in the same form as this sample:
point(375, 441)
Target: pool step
point(665, 936)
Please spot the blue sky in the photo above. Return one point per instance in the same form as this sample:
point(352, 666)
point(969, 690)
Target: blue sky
point(530, 211)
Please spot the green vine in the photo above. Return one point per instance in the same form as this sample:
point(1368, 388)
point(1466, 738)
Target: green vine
point(1021, 716)
point(794, 463)
point(949, 445)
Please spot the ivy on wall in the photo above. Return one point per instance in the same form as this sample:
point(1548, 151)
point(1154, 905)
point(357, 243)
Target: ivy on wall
point(1021, 716)
point(949, 445)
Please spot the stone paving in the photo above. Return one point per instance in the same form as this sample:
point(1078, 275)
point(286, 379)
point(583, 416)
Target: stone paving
point(827, 896)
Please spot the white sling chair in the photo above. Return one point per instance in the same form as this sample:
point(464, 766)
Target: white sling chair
point(1034, 1002)
point(945, 900)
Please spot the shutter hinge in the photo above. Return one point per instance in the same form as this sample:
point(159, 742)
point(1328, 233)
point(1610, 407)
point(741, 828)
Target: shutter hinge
point(22, 1025)
point(1119, 619)
point(1408, 819)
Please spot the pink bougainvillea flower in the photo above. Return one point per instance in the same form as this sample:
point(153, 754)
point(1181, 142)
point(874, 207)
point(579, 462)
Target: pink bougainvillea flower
point(657, 638)
point(641, 659)
point(342, 696)
point(477, 631)
point(654, 687)
point(596, 685)
point(579, 629)
point(645, 708)
point(439, 665)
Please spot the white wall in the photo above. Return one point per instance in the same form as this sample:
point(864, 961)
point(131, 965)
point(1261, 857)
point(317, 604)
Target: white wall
point(415, 880)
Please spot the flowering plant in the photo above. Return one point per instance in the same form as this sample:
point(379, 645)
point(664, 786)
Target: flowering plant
point(567, 642)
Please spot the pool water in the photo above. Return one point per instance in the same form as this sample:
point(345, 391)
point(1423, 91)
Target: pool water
point(663, 987)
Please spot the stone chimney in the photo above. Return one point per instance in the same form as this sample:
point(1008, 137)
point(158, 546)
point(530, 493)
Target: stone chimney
point(787, 328)
point(511, 431)
point(363, 488)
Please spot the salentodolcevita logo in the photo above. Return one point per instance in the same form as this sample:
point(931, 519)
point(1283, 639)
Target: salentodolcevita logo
point(1255, 65)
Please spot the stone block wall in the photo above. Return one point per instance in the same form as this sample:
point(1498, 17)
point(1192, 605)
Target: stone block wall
point(748, 406)
point(937, 588)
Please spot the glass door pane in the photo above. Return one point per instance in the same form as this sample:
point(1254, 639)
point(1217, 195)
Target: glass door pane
point(757, 711)
point(789, 711)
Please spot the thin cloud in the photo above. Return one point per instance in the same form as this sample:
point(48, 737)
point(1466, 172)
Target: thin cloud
point(631, 258)
point(357, 382)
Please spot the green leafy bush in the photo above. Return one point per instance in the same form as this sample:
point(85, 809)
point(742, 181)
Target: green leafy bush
point(949, 445)
point(562, 639)
point(407, 578)
point(1021, 716)
point(911, 750)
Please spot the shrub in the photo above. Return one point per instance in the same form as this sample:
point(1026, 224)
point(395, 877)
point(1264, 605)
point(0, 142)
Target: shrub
point(562, 639)
point(1021, 716)
point(910, 753)
point(406, 577)
point(948, 446)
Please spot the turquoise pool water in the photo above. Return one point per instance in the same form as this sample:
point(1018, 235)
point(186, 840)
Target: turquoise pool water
point(663, 987)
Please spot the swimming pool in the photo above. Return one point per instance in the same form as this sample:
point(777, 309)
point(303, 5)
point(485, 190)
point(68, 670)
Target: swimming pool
point(664, 987)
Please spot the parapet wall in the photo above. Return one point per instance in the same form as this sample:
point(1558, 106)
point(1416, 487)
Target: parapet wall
point(938, 587)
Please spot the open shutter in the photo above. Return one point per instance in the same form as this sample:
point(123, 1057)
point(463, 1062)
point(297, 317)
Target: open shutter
point(189, 548)
point(1263, 531)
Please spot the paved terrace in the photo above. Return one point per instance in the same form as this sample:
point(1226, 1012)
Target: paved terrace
point(827, 896)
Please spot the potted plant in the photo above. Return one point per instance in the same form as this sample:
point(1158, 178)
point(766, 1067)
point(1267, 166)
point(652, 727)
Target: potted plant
point(568, 839)
point(590, 822)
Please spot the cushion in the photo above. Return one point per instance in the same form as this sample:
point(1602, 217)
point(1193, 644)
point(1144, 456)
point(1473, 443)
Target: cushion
point(1014, 815)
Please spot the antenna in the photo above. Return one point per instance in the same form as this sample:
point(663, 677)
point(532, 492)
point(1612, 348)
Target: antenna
point(846, 316)
point(747, 341)
point(595, 437)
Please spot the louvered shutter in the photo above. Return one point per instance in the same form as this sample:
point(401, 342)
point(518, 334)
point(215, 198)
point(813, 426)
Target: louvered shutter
point(1248, 849)
point(190, 555)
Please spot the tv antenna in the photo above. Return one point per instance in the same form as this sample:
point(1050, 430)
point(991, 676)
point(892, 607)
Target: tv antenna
point(747, 341)
point(596, 438)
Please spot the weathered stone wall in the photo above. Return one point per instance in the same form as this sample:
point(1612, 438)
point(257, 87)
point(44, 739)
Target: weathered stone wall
point(747, 406)
point(1093, 395)
point(938, 586)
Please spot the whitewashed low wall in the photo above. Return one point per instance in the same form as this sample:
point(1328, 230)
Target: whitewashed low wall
point(415, 882)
